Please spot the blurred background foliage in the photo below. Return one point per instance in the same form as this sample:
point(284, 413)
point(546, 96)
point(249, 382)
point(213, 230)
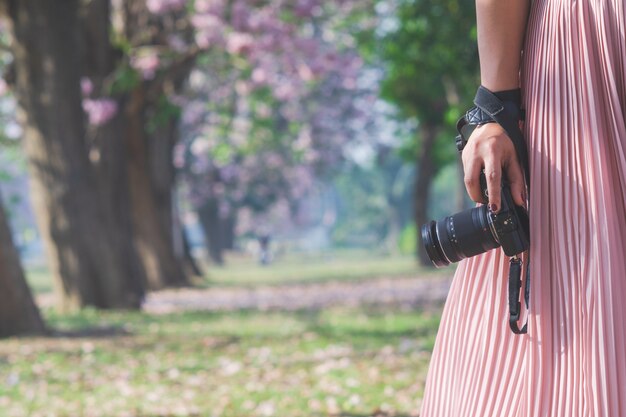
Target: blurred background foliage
point(209, 145)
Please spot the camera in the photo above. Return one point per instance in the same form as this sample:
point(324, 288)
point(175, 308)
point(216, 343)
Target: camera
point(478, 230)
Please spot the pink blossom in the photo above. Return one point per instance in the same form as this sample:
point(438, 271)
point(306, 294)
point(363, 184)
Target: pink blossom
point(193, 112)
point(229, 172)
point(179, 155)
point(239, 43)
point(243, 88)
point(176, 42)
point(274, 160)
point(305, 72)
point(215, 7)
point(307, 8)
point(240, 15)
point(259, 76)
point(209, 30)
point(349, 83)
point(86, 86)
point(164, 6)
point(146, 63)
point(200, 147)
point(99, 111)
point(285, 92)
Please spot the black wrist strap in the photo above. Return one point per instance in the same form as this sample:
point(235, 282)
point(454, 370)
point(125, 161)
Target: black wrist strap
point(508, 114)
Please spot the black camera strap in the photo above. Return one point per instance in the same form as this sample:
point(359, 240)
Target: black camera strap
point(508, 114)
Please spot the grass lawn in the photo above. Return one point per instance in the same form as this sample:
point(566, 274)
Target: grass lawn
point(350, 362)
point(340, 361)
point(244, 270)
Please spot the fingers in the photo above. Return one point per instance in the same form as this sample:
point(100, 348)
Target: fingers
point(493, 175)
point(472, 184)
point(516, 178)
point(490, 148)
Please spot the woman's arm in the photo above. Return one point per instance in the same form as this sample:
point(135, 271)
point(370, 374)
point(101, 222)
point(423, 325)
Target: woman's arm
point(501, 27)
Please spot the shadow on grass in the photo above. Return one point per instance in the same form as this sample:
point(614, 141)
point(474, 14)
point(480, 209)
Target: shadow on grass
point(94, 332)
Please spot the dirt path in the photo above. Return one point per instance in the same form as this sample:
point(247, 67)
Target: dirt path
point(410, 291)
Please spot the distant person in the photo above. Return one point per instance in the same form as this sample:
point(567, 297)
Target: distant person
point(572, 362)
point(264, 246)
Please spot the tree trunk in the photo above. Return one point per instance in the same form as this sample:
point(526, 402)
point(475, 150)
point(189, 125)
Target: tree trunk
point(107, 147)
point(18, 312)
point(228, 231)
point(162, 173)
point(153, 240)
point(134, 162)
point(425, 173)
point(209, 217)
point(111, 167)
point(86, 263)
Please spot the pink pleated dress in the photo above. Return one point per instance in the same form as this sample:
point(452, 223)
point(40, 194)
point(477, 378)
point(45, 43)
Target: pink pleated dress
point(572, 362)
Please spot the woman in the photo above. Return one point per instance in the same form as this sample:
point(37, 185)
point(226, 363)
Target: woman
point(572, 59)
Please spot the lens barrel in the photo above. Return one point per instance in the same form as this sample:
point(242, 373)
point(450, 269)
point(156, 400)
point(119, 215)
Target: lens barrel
point(459, 236)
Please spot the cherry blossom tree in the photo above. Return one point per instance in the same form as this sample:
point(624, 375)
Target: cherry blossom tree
point(280, 109)
point(270, 84)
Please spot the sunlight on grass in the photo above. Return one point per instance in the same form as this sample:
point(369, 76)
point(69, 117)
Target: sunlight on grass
point(332, 266)
point(244, 270)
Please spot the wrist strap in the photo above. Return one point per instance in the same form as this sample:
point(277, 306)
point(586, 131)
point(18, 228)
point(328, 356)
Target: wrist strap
point(507, 115)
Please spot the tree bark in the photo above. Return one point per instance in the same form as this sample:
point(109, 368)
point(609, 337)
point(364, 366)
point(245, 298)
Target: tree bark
point(107, 147)
point(163, 176)
point(150, 153)
point(153, 241)
point(209, 217)
point(425, 173)
point(228, 231)
point(84, 259)
point(18, 312)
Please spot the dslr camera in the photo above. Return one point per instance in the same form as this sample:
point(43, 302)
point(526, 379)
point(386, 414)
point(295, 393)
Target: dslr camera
point(478, 230)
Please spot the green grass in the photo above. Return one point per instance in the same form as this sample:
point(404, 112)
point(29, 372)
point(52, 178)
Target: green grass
point(244, 270)
point(308, 363)
point(356, 361)
point(332, 266)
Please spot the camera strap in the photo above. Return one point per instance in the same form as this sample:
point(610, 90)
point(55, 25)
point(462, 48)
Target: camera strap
point(508, 114)
point(515, 284)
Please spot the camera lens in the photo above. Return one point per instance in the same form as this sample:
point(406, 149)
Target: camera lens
point(459, 236)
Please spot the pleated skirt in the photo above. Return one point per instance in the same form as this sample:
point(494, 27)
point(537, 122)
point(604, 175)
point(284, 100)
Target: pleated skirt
point(572, 362)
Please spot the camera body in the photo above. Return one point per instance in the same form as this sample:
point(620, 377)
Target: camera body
point(478, 230)
point(510, 224)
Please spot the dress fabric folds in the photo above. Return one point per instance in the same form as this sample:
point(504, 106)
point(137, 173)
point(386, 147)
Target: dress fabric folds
point(572, 362)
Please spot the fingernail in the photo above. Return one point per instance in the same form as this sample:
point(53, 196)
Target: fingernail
point(493, 208)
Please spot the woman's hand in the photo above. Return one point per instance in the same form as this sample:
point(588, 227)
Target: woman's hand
point(490, 148)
